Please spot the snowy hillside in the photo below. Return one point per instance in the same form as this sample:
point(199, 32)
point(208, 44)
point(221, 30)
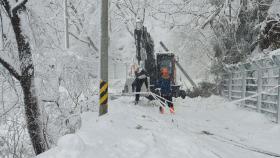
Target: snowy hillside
point(211, 128)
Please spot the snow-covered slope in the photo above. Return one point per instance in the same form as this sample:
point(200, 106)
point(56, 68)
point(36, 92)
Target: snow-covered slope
point(201, 128)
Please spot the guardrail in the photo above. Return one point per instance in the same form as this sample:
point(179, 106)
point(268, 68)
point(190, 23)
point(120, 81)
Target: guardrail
point(255, 84)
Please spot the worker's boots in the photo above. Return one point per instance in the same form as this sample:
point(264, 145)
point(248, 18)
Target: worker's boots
point(172, 110)
point(136, 102)
point(161, 110)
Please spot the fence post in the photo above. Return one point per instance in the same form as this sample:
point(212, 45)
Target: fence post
point(259, 90)
point(224, 85)
point(244, 76)
point(230, 85)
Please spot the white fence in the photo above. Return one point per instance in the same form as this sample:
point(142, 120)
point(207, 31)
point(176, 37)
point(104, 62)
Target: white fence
point(255, 85)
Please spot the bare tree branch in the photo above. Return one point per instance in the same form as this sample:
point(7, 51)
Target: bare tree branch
point(7, 6)
point(10, 69)
point(89, 42)
point(10, 109)
point(80, 22)
point(126, 20)
point(212, 17)
point(92, 44)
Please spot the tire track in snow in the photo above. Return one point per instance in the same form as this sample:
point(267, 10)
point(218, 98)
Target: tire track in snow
point(223, 139)
point(204, 140)
point(160, 119)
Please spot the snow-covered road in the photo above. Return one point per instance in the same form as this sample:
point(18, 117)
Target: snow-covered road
point(201, 128)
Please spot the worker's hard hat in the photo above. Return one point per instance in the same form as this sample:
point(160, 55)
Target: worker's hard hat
point(164, 72)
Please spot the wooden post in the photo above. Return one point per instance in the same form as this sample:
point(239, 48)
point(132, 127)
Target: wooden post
point(244, 76)
point(230, 85)
point(222, 90)
point(259, 90)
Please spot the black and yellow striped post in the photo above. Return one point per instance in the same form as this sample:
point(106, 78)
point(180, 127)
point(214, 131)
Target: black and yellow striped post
point(103, 97)
point(104, 47)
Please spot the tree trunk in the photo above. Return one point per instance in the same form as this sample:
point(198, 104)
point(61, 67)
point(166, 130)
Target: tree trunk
point(32, 110)
point(33, 115)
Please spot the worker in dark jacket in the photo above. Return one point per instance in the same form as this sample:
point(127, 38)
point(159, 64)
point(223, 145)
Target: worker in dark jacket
point(141, 77)
point(164, 84)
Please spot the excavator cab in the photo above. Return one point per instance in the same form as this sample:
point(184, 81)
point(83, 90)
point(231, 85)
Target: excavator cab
point(167, 61)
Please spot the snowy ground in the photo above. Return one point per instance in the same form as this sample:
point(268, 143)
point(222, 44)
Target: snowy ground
point(201, 128)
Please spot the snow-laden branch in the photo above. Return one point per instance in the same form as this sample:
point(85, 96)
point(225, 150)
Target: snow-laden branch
point(10, 68)
point(7, 6)
point(89, 42)
point(211, 17)
point(18, 5)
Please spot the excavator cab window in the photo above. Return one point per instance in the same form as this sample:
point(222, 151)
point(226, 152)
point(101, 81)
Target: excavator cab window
point(166, 60)
point(167, 64)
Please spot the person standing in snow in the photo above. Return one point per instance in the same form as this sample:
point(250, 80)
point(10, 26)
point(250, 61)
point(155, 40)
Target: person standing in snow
point(164, 85)
point(141, 77)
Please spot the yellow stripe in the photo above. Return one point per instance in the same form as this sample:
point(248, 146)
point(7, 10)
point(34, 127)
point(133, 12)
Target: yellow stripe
point(103, 98)
point(104, 88)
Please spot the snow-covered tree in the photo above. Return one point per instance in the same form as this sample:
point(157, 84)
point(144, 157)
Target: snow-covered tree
point(26, 73)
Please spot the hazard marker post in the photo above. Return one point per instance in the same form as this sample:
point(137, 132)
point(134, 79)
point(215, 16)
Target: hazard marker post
point(103, 97)
point(104, 47)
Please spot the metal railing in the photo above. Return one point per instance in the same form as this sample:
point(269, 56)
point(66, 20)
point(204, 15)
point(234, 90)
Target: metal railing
point(255, 85)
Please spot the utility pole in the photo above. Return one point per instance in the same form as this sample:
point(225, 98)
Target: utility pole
point(66, 16)
point(103, 100)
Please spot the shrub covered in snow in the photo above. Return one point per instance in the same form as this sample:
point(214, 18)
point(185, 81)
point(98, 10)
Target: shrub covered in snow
point(205, 89)
point(270, 34)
